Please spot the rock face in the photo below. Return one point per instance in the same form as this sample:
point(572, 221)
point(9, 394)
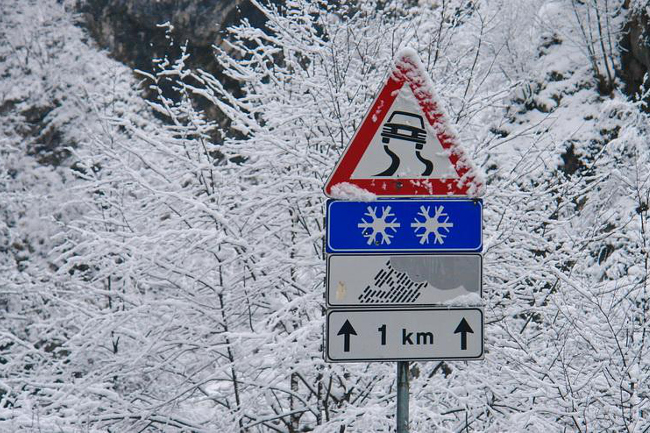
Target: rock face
point(130, 29)
point(132, 33)
point(635, 46)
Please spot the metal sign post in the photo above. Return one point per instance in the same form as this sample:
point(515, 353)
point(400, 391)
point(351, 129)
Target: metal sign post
point(402, 396)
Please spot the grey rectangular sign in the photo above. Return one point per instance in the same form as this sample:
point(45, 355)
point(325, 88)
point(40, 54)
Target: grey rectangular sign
point(411, 334)
point(402, 279)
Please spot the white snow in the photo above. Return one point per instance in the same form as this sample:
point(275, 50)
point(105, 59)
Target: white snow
point(468, 300)
point(350, 191)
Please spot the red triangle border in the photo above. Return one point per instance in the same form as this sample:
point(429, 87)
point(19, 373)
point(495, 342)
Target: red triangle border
point(408, 69)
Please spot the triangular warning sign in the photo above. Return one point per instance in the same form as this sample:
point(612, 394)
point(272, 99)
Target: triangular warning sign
point(405, 146)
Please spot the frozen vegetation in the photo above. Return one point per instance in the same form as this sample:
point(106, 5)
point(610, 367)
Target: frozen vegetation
point(162, 270)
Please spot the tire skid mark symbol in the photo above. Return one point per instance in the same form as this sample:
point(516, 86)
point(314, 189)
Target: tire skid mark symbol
point(398, 127)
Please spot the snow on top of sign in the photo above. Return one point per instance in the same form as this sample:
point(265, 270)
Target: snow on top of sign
point(468, 300)
point(408, 52)
point(349, 191)
point(375, 117)
point(410, 68)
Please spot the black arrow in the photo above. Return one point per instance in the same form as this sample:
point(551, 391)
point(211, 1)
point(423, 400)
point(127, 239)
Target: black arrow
point(463, 328)
point(347, 330)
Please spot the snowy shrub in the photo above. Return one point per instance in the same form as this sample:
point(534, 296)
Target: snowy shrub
point(186, 283)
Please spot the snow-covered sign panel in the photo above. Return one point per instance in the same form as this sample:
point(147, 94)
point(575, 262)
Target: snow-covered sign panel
point(405, 146)
point(403, 279)
point(404, 226)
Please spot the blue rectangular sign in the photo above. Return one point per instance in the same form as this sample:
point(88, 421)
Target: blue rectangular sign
point(404, 225)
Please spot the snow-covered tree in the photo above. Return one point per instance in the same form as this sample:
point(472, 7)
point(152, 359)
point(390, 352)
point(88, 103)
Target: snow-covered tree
point(185, 289)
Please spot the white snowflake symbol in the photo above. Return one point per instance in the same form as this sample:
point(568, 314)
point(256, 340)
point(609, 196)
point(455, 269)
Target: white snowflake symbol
point(378, 226)
point(432, 224)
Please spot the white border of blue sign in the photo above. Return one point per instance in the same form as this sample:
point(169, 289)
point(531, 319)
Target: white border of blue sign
point(345, 234)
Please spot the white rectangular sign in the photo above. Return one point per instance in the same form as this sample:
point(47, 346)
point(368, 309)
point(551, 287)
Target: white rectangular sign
point(402, 279)
point(413, 334)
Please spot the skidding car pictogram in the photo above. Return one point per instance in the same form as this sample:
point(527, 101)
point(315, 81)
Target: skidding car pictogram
point(411, 133)
point(398, 127)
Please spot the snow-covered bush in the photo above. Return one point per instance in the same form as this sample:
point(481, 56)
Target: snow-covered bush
point(187, 288)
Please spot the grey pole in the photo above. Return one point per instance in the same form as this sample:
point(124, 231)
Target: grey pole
point(402, 396)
